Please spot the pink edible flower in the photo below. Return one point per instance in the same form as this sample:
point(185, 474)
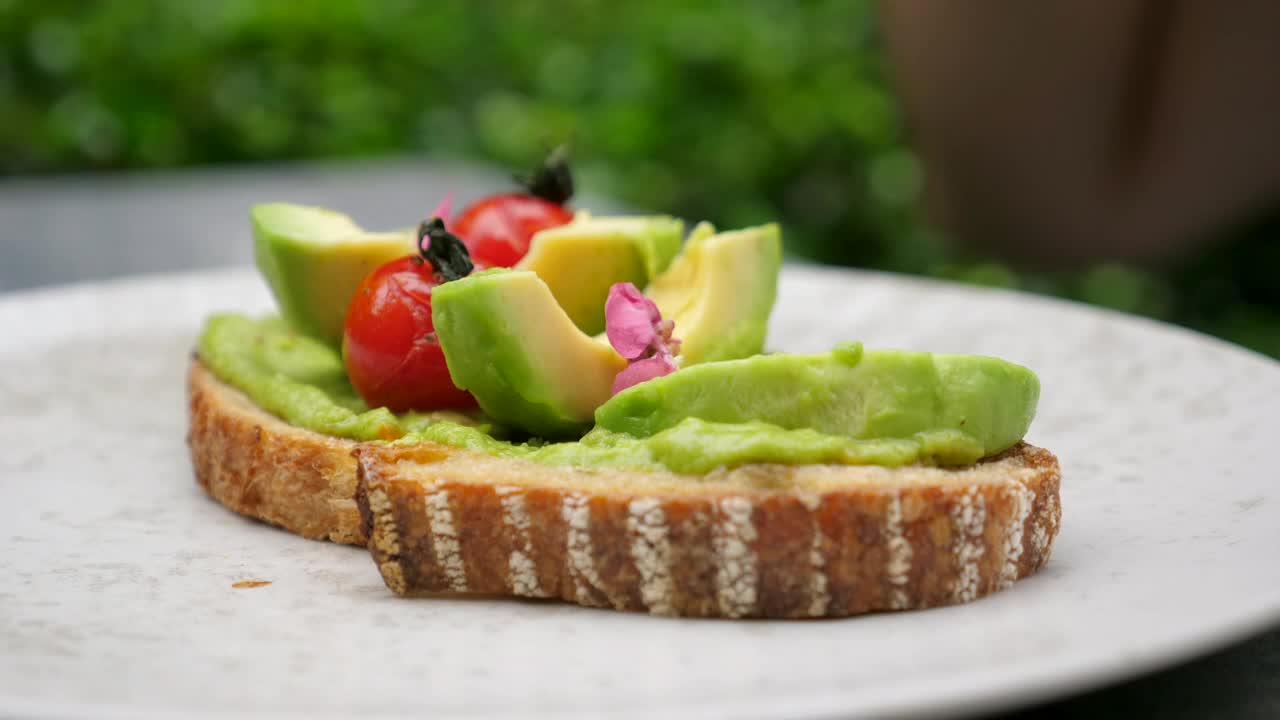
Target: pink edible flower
point(638, 371)
point(442, 212)
point(637, 331)
point(444, 209)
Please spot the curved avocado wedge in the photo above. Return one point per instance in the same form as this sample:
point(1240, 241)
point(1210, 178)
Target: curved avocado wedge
point(507, 340)
point(956, 408)
point(579, 261)
point(720, 291)
point(314, 259)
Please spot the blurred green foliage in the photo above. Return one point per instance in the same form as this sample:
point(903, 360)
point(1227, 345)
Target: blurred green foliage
point(732, 110)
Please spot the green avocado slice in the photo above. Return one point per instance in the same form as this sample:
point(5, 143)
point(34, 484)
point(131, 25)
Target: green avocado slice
point(720, 292)
point(506, 339)
point(959, 408)
point(581, 260)
point(314, 259)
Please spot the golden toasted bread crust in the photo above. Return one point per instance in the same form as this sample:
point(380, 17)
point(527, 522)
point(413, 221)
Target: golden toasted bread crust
point(755, 541)
point(260, 466)
point(758, 541)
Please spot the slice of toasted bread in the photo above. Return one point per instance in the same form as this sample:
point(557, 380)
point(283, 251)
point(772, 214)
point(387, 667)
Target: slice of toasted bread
point(754, 541)
point(260, 466)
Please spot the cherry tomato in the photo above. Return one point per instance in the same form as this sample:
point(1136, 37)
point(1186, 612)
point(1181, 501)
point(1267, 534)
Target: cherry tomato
point(389, 344)
point(497, 229)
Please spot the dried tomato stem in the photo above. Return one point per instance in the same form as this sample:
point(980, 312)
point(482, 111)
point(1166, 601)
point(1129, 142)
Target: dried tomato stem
point(552, 181)
point(444, 250)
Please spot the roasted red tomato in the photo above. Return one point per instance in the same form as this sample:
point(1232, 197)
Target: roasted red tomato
point(497, 229)
point(389, 343)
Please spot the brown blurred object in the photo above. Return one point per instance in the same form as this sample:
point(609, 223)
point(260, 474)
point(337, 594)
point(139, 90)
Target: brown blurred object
point(1060, 132)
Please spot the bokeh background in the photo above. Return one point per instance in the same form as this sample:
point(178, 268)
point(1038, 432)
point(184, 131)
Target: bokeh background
point(737, 112)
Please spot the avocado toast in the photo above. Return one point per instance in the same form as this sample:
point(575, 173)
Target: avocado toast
point(810, 540)
point(664, 465)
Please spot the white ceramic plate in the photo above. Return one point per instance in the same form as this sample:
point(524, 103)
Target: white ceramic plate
point(116, 593)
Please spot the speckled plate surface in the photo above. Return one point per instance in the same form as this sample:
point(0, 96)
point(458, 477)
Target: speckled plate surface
point(117, 575)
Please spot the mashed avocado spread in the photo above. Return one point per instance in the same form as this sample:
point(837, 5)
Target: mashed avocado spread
point(954, 411)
